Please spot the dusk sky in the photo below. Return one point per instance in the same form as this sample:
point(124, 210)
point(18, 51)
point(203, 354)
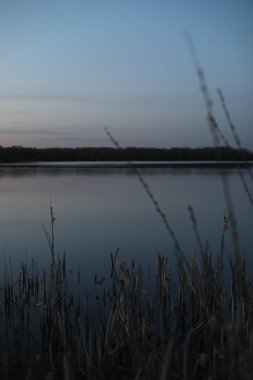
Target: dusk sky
point(70, 68)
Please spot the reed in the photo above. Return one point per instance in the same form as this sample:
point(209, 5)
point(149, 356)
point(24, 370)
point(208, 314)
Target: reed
point(198, 327)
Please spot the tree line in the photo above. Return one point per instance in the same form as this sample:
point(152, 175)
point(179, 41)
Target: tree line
point(21, 154)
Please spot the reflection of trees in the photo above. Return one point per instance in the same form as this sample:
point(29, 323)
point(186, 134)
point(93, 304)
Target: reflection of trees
point(18, 154)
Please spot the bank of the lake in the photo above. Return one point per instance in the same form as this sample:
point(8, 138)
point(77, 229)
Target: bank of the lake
point(24, 154)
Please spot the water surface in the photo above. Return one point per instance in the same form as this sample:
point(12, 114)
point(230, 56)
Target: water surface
point(101, 209)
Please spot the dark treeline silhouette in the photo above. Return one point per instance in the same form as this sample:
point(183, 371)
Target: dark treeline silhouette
point(20, 154)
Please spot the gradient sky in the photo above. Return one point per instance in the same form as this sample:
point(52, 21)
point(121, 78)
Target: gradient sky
point(70, 68)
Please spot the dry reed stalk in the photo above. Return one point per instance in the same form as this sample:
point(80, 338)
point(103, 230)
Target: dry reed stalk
point(178, 251)
point(217, 136)
point(195, 228)
point(237, 140)
point(202, 322)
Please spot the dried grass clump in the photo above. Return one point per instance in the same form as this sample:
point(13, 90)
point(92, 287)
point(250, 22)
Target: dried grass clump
point(199, 327)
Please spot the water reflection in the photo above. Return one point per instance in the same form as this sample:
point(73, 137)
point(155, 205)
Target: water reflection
point(19, 171)
point(101, 209)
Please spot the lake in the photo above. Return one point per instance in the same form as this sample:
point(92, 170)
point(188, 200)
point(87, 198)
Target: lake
point(100, 208)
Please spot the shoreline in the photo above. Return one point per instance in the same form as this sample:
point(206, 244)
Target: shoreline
point(124, 164)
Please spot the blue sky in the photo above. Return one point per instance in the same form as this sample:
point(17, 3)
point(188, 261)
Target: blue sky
point(70, 68)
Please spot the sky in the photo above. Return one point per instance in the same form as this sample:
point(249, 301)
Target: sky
point(70, 68)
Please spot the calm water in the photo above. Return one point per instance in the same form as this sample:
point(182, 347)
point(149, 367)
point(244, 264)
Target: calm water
point(98, 210)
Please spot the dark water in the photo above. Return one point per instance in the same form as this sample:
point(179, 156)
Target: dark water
point(98, 210)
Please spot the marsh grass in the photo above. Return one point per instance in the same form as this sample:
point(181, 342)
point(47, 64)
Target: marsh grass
point(199, 327)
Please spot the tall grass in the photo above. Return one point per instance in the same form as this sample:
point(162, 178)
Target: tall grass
point(200, 327)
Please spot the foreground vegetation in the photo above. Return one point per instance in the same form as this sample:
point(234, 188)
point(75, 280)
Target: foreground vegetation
point(144, 326)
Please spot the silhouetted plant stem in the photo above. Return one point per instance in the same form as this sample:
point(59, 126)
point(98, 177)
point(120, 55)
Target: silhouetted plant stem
point(179, 253)
point(215, 133)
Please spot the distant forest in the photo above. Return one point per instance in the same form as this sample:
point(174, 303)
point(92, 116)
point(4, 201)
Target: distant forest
point(20, 154)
